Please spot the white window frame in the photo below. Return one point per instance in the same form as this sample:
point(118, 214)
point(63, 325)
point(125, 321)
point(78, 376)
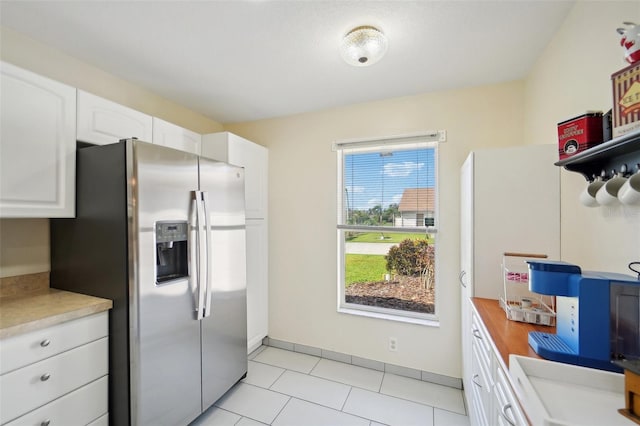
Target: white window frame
point(415, 141)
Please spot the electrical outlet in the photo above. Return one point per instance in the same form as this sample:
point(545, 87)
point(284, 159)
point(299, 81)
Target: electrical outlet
point(393, 344)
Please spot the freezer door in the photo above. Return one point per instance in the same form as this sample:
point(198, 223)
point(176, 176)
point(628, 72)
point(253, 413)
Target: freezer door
point(224, 328)
point(165, 336)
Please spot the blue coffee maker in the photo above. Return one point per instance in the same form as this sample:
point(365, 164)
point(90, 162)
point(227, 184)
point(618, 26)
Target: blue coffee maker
point(597, 315)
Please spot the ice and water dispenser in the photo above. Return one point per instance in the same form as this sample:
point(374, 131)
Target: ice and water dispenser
point(171, 251)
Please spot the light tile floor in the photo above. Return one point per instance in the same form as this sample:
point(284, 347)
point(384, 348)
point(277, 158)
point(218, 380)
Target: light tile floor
point(285, 388)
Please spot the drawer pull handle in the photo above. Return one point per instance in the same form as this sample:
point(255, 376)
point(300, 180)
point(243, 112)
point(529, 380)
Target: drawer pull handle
point(462, 274)
point(473, 379)
point(504, 414)
point(45, 343)
point(45, 377)
point(45, 422)
point(476, 334)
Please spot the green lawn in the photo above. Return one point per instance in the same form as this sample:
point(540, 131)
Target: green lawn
point(364, 268)
point(374, 237)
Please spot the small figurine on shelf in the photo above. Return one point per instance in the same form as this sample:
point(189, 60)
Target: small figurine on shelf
point(630, 41)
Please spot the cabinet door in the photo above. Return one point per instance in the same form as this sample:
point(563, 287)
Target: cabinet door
point(516, 208)
point(257, 283)
point(465, 276)
point(37, 145)
point(481, 388)
point(102, 122)
point(168, 134)
point(254, 158)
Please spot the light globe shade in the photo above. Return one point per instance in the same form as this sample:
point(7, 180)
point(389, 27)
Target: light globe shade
point(363, 46)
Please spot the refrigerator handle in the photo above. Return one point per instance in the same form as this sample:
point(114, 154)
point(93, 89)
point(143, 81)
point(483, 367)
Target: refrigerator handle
point(200, 259)
point(209, 263)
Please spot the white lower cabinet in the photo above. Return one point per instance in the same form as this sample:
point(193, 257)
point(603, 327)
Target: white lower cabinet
point(491, 399)
point(101, 421)
point(506, 408)
point(64, 378)
point(481, 374)
point(79, 407)
point(480, 388)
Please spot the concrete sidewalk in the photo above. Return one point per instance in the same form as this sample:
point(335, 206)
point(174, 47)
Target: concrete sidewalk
point(369, 248)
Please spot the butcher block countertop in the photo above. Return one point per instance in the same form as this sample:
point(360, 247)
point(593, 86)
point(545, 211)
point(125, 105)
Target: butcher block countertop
point(41, 306)
point(509, 337)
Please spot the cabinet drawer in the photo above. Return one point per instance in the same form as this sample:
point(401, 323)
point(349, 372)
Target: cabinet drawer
point(481, 338)
point(507, 408)
point(24, 349)
point(102, 421)
point(79, 407)
point(477, 411)
point(35, 385)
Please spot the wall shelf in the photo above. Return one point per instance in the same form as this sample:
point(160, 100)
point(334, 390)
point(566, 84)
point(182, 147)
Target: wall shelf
point(608, 156)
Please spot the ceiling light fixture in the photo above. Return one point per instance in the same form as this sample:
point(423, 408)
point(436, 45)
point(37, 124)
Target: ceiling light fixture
point(363, 46)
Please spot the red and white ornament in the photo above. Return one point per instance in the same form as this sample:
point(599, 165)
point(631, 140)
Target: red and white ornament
point(630, 41)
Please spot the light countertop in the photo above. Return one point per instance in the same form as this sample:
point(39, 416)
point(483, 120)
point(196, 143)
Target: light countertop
point(30, 311)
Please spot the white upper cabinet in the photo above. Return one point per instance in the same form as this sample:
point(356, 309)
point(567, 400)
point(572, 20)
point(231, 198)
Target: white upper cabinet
point(103, 122)
point(37, 145)
point(233, 149)
point(173, 136)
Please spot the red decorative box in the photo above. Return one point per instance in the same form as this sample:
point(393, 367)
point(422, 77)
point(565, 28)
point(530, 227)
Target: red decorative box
point(579, 133)
point(626, 100)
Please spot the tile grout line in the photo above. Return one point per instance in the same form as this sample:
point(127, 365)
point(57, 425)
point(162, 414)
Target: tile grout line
point(282, 409)
point(345, 400)
point(284, 370)
point(351, 386)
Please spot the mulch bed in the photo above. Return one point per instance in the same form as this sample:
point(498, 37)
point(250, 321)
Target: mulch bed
point(405, 293)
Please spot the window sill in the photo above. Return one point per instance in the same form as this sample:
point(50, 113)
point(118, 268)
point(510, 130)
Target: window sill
point(431, 321)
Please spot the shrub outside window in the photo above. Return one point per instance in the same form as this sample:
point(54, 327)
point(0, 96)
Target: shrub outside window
point(387, 227)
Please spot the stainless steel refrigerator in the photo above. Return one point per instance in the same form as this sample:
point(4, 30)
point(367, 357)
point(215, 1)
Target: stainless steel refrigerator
point(161, 232)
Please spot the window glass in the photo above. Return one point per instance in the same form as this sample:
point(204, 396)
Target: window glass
point(387, 229)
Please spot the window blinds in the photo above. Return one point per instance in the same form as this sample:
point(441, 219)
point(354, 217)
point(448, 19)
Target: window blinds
point(387, 184)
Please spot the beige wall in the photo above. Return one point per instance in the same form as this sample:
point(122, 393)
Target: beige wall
point(302, 216)
point(44, 60)
point(24, 244)
point(571, 77)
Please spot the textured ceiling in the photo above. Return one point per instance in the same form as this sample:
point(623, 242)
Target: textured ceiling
point(247, 60)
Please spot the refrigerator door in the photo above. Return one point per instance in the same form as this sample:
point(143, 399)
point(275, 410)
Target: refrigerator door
point(224, 328)
point(165, 335)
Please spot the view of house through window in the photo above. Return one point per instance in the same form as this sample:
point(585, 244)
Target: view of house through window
point(386, 226)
